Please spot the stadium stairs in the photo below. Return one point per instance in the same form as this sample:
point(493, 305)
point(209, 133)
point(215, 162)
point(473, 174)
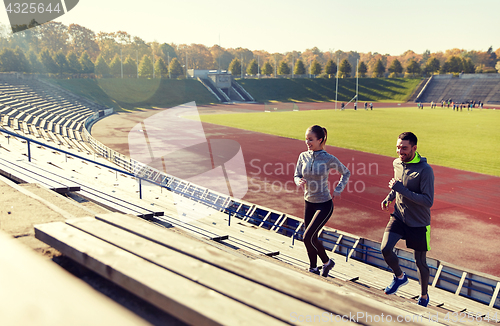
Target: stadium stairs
point(234, 94)
point(206, 258)
point(467, 87)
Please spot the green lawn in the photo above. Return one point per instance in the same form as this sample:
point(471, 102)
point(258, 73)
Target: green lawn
point(322, 89)
point(463, 140)
point(142, 93)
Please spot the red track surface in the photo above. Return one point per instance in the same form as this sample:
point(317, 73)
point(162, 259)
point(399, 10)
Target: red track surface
point(465, 215)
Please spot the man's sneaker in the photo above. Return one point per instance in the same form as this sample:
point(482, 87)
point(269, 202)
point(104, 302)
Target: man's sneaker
point(396, 283)
point(315, 270)
point(327, 267)
point(423, 302)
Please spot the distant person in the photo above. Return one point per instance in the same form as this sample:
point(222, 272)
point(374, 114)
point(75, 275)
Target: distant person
point(355, 106)
point(313, 168)
point(412, 190)
point(432, 104)
point(371, 106)
point(342, 106)
point(366, 106)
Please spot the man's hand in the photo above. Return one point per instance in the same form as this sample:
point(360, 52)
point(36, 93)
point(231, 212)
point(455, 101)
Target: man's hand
point(302, 182)
point(385, 204)
point(393, 182)
point(336, 195)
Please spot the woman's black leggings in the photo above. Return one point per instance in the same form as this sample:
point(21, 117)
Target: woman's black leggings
point(315, 217)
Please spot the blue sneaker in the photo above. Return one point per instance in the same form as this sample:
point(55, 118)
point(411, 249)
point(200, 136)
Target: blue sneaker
point(396, 283)
point(327, 267)
point(423, 302)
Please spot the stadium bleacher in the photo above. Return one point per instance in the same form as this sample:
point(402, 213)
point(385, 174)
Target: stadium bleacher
point(467, 87)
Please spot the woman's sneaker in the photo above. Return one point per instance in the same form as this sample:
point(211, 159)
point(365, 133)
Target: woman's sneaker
point(396, 283)
point(423, 302)
point(315, 270)
point(327, 267)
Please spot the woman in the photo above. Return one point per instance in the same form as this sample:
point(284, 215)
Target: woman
point(313, 167)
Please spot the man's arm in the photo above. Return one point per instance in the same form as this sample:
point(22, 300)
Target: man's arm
point(426, 198)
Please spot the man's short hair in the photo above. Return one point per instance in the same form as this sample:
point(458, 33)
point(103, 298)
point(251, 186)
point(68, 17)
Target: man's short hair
point(410, 137)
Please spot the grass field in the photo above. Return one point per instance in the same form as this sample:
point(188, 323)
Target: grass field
point(321, 89)
point(133, 94)
point(463, 140)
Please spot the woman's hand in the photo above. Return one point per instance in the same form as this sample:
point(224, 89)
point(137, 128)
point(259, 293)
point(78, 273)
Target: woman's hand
point(302, 182)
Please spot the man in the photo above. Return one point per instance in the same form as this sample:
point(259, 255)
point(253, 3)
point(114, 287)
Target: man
point(412, 190)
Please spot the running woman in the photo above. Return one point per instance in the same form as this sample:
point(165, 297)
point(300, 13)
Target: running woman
point(313, 167)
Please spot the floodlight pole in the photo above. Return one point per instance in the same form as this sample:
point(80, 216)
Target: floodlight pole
point(337, 84)
point(121, 61)
point(241, 66)
point(357, 76)
point(137, 60)
point(293, 63)
point(168, 59)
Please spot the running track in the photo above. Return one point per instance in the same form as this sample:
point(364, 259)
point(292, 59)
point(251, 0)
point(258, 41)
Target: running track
point(465, 214)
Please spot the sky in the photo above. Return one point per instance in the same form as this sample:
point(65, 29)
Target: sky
point(383, 26)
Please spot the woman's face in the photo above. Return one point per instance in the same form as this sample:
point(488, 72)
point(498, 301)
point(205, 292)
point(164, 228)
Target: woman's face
point(312, 142)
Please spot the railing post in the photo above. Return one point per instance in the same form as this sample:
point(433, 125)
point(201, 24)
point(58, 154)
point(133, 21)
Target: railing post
point(140, 189)
point(29, 151)
point(229, 220)
point(293, 238)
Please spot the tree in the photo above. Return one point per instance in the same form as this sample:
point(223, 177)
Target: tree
point(61, 62)
point(395, 67)
point(468, 66)
point(175, 68)
point(146, 67)
point(267, 69)
point(74, 66)
point(330, 68)
point(101, 67)
point(82, 39)
point(35, 64)
point(8, 60)
point(299, 69)
point(497, 66)
point(86, 63)
point(345, 69)
point(413, 67)
point(22, 62)
point(252, 67)
point(432, 65)
point(48, 62)
point(454, 64)
point(235, 67)
point(362, 69)
point(115, 67)
point(379, 69)
point(283, 68)
point(130, 67)
point(161, 68)
point(315, 68)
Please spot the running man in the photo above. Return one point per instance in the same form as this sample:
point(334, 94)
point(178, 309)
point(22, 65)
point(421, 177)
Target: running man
point(412, 190)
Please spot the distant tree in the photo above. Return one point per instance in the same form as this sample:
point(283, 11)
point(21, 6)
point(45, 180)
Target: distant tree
point(86, 63)
point(101, 67)
point(444, 68)
point(379, 69)
point(345, 69)
point(35, 64)
point(283, 68)
point(497, 66)
point(395, 67)
point(413, 67)
point(175, 68)
point(8, 60)
point(362, 69)
point(468, 66)
point(330, 68)
point(455, 64)
point(492, 57)
point(432, 66)
point(24, 64)
point(235, 67)
point(267, 69)
point(48, 62)
point(115, 67)
point(74, 66)
point(161, 68)
point(61, 62)
point(315, 68)
point(299, 69)
point(252, 68)
point(130, 67)
point(146, 67)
